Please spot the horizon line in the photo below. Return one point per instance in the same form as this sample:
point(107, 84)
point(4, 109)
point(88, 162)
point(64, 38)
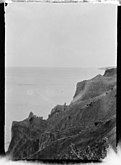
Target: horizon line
point(100, 67)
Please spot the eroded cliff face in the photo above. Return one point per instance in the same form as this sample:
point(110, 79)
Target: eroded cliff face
point(88, 89)
point(110, 72)
point(25, 136)
point(86, 121)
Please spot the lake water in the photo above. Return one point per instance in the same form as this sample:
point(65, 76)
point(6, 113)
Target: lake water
point(39, 90)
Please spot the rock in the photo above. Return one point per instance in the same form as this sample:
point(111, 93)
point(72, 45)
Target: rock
point(57, 109)
point(110, 72)
point(46, 139)
point(96, 86)
point(25, 134)
point(90, 116)
point(31, 114)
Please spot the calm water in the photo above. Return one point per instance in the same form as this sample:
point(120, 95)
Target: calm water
point(39, 90)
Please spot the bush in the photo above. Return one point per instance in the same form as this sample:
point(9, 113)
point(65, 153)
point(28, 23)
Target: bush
point(95, 151)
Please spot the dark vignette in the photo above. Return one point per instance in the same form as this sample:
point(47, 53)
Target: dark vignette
point(2, 77)
point(2, 84)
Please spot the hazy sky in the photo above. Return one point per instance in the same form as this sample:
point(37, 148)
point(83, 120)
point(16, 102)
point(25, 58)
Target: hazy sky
point(61, 35)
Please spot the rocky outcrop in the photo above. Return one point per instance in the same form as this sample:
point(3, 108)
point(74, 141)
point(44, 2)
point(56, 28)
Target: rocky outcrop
point(110, 72)
point(25, 136)
point(96, 86)
point(86, 121)
point(57, 109)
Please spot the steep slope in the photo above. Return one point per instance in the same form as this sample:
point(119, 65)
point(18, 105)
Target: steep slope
point(26, 133)
point(91, 88)
point(59, 148)
point(110, 72)
point(87, 120)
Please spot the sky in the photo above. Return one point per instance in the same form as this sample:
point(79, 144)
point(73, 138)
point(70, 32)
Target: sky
point(60, 35)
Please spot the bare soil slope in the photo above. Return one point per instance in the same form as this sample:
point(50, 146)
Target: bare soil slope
point(86, 125)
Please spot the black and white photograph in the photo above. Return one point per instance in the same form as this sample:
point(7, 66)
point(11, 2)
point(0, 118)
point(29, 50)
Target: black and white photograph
point(60, 81)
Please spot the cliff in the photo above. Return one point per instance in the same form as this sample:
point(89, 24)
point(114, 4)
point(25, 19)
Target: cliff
point(86, 125)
